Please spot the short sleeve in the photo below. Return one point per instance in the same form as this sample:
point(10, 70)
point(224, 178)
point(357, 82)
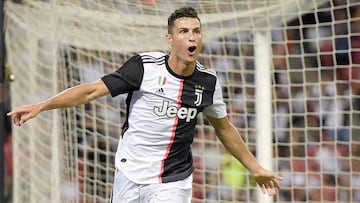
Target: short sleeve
point(218, 108)
point(127, 78)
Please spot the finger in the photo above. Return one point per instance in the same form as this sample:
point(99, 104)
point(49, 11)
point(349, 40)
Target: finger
point(20, 118)
point(278, 178)
point(14, 112)
point(16, 119)
point(268, 188)
point(272, 190)
point(276, 184)
point(263, 189)
point(275, 181)
point(25, 117)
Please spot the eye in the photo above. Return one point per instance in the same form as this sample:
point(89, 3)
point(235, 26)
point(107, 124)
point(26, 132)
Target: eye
point(182, 31)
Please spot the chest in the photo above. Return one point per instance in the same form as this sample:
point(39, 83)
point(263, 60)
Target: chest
point(194, 91)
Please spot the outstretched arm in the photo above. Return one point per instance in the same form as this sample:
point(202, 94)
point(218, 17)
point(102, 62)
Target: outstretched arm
point(231, 139)
point(74, 96)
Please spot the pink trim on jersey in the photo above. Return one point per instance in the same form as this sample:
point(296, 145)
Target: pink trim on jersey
point(172, 132)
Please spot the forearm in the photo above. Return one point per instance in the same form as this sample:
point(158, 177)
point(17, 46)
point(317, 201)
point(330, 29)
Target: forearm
point(231, 139)
point(74, 96)
point(236, 146)
point(77, 95)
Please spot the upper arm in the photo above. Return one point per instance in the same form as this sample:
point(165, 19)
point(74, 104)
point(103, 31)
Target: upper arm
point(99, 89)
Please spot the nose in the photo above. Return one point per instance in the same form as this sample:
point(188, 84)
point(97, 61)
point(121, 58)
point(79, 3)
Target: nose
point(192, 37)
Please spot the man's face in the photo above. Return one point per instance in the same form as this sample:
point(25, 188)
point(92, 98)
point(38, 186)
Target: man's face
point(186, 39)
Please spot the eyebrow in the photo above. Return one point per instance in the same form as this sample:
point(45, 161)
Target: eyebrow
point(195, 28)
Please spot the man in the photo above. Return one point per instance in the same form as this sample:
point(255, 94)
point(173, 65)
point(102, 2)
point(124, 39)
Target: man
point(165, 94)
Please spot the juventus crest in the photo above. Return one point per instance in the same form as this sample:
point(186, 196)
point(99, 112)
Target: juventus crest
point(199, 94)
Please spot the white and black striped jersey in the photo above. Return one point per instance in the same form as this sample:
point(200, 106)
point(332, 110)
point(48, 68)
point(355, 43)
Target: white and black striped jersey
point(161, 116)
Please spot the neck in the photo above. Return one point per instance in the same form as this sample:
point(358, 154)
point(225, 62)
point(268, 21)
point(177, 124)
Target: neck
point(180, 67)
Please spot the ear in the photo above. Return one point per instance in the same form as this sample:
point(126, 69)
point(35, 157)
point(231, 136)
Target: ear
point(169, 38)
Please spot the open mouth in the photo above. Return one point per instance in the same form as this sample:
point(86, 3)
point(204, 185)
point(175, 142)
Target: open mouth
point(192, 49)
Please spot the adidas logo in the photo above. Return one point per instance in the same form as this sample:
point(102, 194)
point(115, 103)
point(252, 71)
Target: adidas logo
point(160, 91)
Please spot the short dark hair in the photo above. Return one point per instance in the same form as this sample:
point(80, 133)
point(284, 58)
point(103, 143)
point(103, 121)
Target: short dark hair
point(185, 11)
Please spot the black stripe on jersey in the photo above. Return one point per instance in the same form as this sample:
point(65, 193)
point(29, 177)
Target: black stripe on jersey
point(179, 163)
point(203, 79)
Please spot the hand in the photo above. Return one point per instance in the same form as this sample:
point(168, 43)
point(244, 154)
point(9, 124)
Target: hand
point(268, 182)
point(24, 113)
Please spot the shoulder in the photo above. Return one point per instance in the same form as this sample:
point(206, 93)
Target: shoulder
point(201, 68)
point(152, 56)
point(147, 57)
point(153, 59)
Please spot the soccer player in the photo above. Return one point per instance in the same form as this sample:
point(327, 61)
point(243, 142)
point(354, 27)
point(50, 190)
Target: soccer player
point(166, 92)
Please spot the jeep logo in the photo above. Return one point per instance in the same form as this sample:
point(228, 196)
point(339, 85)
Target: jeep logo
point(172, 111)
